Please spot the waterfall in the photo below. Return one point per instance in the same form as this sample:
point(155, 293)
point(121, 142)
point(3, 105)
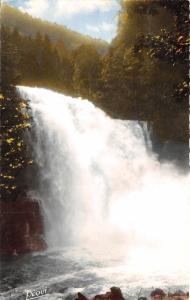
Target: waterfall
point(101, 184)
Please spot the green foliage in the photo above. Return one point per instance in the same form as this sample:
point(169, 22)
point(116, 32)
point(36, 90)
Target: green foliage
point(87, 69)
point(41, 62)
point(145, 73)
point(9, 57)
point(170, 46)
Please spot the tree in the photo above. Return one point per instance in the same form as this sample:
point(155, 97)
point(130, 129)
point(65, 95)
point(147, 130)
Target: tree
point(146, 72)
point(9, 58)
point(87, 70)
point(14, 120)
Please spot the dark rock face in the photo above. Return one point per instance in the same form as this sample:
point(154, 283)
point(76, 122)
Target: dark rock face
point(171, 151)
point(21, 227)
point(81, 297)
point(114, 294)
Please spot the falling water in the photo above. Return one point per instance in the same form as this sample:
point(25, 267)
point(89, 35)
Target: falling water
point(100, 186)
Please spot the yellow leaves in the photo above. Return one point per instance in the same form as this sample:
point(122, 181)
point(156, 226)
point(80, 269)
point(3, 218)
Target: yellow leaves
point(23, 105)
point(10, 130)
point(19, 165)
point(178, 50)
point(10, 141)
point(187, 41)
point(4, 186)
point(26, 117)
point(7, 154)
point(15, 154)
point(185, 84)
point(26, 125)
point(6, 176)
point(152, 54)
point(20, 144)
point(19, 126)
point(9, 177)
point(183, 41)
point(23, 125)
point(180, 38)
point(7, 187)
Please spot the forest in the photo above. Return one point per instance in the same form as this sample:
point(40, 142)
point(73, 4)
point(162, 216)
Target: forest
point(142, 75)
point(29, 26)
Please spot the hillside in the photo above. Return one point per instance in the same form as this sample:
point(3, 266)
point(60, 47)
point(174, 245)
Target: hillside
point(27, 25)
point(143, 76)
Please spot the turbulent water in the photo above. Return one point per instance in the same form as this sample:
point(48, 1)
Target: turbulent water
point(113, 214)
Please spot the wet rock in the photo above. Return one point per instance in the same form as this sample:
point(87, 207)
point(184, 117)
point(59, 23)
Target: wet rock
point(114, 294)
point(157, 294)
point(180, 295)
point(142, 298)
point(103, 297)
point(81, 297)
point(21, 227)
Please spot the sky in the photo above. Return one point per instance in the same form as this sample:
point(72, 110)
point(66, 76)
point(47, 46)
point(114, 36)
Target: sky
point(97, 18)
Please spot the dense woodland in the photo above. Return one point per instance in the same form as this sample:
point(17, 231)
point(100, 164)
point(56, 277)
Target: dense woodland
point(143, 75)
point(29, 26)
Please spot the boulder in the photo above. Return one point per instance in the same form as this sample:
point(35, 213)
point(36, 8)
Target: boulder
point(21, 227)
point(114, 294)
point(80, 296)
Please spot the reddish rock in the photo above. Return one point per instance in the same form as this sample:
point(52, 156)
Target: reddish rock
point(21, 227)
point(114, 294)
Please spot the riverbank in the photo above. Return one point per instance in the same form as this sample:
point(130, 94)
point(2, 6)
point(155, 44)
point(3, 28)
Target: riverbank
point(115, 293)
